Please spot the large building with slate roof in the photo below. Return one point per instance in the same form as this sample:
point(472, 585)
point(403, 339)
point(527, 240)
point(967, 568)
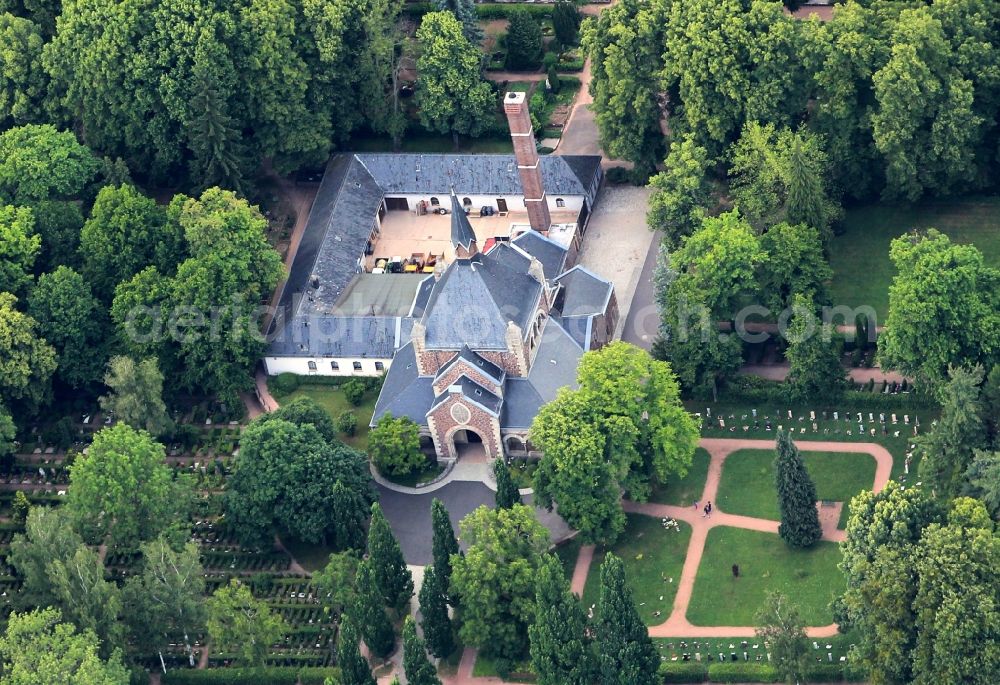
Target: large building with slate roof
point(495, 339)
point(324, 324)
point(473, 349)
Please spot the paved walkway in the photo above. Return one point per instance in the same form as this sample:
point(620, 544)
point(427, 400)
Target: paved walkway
point(778, 372)
point(677, 624)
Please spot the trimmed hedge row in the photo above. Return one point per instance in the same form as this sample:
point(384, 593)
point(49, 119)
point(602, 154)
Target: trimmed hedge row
point(748, 672)
point(273, 675)
point(683, 672)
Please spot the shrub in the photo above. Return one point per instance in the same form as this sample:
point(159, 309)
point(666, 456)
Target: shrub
point(347, 423)
point(488, 11)
point(354, 391)
point(312, 675)
point(284, 384)
point(394, 445)
point(566, 21)
point(742, 672)
point(682, 672)
point(545, 150)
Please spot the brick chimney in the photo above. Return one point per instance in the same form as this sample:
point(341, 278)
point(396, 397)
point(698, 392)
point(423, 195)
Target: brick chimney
point(516, 107)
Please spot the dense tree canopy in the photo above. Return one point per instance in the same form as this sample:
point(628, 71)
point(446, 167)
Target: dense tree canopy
point(624, 425)
point(39, 649)
point(944, 307)
point(394, 445)
point(240, 623)
point(26, 360)
point(451, 93)
point(286, 479)
point(122, 491)
point(136, 396)
point(39, 162)
point(681, 192)
point(19, 246)
point(73, 322)
point(496, 578)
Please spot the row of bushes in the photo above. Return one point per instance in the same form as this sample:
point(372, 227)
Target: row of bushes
point(749, 672)
point(252, 676)
point(354, 387)
point(485, 11)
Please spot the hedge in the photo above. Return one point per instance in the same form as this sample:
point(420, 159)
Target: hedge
point(742, 672)
point(753, 672)
point(273, 675)
point(682, 672)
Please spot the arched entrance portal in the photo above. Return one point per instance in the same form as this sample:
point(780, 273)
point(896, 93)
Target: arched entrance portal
point(468, 445)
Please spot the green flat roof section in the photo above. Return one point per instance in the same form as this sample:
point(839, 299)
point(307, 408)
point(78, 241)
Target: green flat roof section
point(379, 295)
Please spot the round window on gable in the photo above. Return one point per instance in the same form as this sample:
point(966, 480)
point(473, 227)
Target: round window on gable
point(435, 202)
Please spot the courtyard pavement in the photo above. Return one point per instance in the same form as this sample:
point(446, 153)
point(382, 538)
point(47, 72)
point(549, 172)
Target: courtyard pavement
point(617, 243)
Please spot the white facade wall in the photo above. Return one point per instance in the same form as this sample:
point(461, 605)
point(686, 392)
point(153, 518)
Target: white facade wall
point(515, 203)
point(300, 366)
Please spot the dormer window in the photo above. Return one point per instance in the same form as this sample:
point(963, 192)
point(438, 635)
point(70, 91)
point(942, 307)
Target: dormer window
point(435, 202)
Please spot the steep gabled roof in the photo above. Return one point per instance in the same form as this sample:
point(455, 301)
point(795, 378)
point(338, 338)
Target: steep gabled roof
point(475, 361)
point(473, 393)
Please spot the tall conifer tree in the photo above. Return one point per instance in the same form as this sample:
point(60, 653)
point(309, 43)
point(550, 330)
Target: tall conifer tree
point(434, 612)
point(626, 653)
point(560, 650)
point(796, 496)
point(416, 665)
point(392, 577)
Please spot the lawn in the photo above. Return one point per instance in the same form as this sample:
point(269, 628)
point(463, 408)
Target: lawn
point(486, 668)
point(747, 485)
point(809, 577)
point(862, 271)
point(332, 399)
point(687, 490)
point(652, 556)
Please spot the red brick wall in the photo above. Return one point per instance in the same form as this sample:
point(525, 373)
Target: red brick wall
point(444, 427)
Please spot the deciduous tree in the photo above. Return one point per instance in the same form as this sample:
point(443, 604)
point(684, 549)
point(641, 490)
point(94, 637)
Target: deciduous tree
point(19, 246)
point(813, 353)
point(26, 360)
point(394, 445)
point(622, 426)
point(39, 162)
point(136, 396)
point(167, 601)
point(126, 232)
point(23, 81)
point(240, 623)
point(72, 320)
point(944, 308)
point(121, 491)
point(39, 649)
point(625, 46)
point(795, 264)
point(451, 94)
point(796, 496)
point(290, 479)
point(681, 192)
point(495, 580)
point(782, 629)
